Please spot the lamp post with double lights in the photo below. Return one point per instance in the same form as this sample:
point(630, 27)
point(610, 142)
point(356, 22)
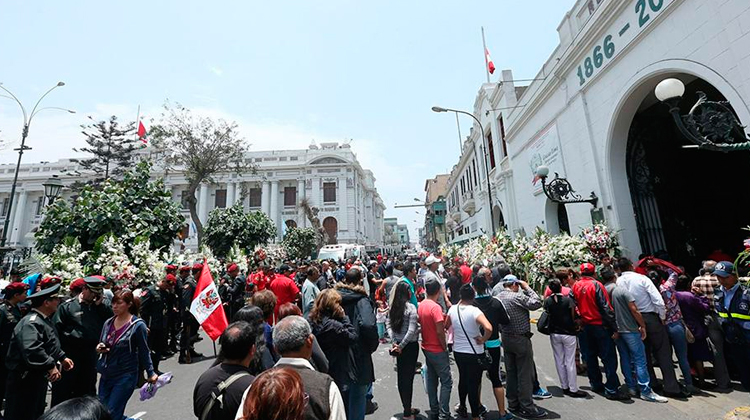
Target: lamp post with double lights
point(709, 125)
point(27, 118)
point(484, 148)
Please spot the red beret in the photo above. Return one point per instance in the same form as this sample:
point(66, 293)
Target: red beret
point(232, 267)
point(77, 285)
point(171, 267)
point(16, 287)
point(171, 278)
point(185, 268)
point(197, 266)
point(49, 282)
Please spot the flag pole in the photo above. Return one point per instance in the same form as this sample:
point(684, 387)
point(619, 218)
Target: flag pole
point(484, 52)
point(137, 122)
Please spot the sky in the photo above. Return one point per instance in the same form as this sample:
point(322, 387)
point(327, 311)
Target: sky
point(287, 72)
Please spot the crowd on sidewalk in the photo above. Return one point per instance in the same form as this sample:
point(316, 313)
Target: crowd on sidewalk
point(302, 336)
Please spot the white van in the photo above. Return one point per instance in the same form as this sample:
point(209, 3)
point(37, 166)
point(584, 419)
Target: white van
point(341, 252)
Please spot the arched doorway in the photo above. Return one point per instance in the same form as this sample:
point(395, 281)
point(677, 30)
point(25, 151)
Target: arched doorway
point(686, 202)
point(497, 214)
point(291, 224)
point(331, 225)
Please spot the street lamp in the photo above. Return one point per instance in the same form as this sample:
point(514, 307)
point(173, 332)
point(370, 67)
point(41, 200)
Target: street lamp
point(484, 148)
point(52, 188)
point(560, 191)
point(710, 125)
point(27, 117)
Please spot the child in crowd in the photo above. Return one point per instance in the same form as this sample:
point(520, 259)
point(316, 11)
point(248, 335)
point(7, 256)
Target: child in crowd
point(380, 317)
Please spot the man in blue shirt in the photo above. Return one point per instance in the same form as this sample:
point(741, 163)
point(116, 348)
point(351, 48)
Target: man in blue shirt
point(732, 302)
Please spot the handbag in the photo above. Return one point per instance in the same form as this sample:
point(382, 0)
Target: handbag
point(688, 334)
point(542, 324)
point(485, 359)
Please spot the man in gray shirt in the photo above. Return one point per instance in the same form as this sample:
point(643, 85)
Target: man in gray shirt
point(632, 331)
point(309, 290)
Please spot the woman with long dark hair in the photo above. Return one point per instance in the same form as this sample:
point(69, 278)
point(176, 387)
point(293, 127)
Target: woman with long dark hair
point(495, 313)
point(471, 330)
point(124, 351)
point(403, 328)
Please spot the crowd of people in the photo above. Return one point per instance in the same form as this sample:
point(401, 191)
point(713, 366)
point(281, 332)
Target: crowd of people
point(302, 335)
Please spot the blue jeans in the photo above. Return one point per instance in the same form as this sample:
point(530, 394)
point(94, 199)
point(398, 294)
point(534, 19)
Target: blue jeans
point(438, 369)
point(355, 400)
point(114, 392)
point(676, 331)
point(633, 361)
point(601, 345)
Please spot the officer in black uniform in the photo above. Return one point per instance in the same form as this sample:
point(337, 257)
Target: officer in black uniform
point(235, 284)
point(173, 316)
point(10, 314)
point(189, 324)
point(732, 303)
point(79, 322)
point(154, 310)
point(34, 357)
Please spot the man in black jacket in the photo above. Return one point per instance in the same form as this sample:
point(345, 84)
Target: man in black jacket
point(360, 311)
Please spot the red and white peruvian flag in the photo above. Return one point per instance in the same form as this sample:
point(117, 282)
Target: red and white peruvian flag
point(206, 306)
point(142, 132)
point(490, 64)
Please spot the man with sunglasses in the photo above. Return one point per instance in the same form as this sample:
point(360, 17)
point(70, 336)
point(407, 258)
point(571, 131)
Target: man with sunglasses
point(34, 357)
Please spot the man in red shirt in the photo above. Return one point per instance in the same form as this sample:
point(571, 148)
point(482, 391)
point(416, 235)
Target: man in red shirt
point(284, 288)
point(434, 347)
point(262, 278)
point(465, 271)
point(598, 320)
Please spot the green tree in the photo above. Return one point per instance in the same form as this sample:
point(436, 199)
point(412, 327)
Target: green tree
point(111, 147)
point(129, 208)
point(230, 227)
point(300, 243)
point(201, 147)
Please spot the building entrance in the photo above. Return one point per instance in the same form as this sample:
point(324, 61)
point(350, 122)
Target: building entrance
point(688, 203)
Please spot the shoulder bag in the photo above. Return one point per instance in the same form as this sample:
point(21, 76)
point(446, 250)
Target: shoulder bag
point(485, 359)
point(542, 324)
point(219, 395)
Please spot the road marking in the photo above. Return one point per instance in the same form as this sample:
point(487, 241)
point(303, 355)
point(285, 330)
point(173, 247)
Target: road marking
point(138, 415)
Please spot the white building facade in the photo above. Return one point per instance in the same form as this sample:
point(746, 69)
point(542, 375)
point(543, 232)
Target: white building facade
point(591, 116)
point(328, 176)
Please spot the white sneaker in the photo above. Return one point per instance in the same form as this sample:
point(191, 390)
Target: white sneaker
point(654, 397)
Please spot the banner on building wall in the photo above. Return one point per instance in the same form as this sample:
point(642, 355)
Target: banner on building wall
point(545, 150)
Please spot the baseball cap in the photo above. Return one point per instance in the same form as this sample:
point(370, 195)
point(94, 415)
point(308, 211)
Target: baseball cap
point(510, 278)
point(431, 260)
point(724, 269)
point(588, 268)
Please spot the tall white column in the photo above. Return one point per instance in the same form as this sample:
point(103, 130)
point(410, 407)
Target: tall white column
point(230, 194)
point(203, 203)
point(275, 205)
point(19, 217)
point(341, 199)
point(315, 193)
point(265, 198)
point(238, 193)
point(300, 195)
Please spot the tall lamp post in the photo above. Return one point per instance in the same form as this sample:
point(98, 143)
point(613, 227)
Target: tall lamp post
point(484, 148)
point(709, 125)
point(27, 118)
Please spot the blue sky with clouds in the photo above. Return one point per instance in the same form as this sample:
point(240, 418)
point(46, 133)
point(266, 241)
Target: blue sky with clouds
point(287, 72)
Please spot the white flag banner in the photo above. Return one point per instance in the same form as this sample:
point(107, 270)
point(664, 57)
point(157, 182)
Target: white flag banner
point(205, 303)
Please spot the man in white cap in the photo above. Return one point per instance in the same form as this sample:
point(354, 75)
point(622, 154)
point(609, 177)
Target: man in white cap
point(433, 263)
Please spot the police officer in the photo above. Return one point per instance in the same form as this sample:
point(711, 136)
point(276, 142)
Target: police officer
point(173, 316)
point(235, 286)
point(10, 314)
point(732, 302)
point(189, 324)
point(79, 321)
point(34, 357)
point(154, 310)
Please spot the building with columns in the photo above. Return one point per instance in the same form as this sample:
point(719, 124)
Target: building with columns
point(328, 176)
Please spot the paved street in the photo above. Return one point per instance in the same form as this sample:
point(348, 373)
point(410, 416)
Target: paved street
point(175, 400)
